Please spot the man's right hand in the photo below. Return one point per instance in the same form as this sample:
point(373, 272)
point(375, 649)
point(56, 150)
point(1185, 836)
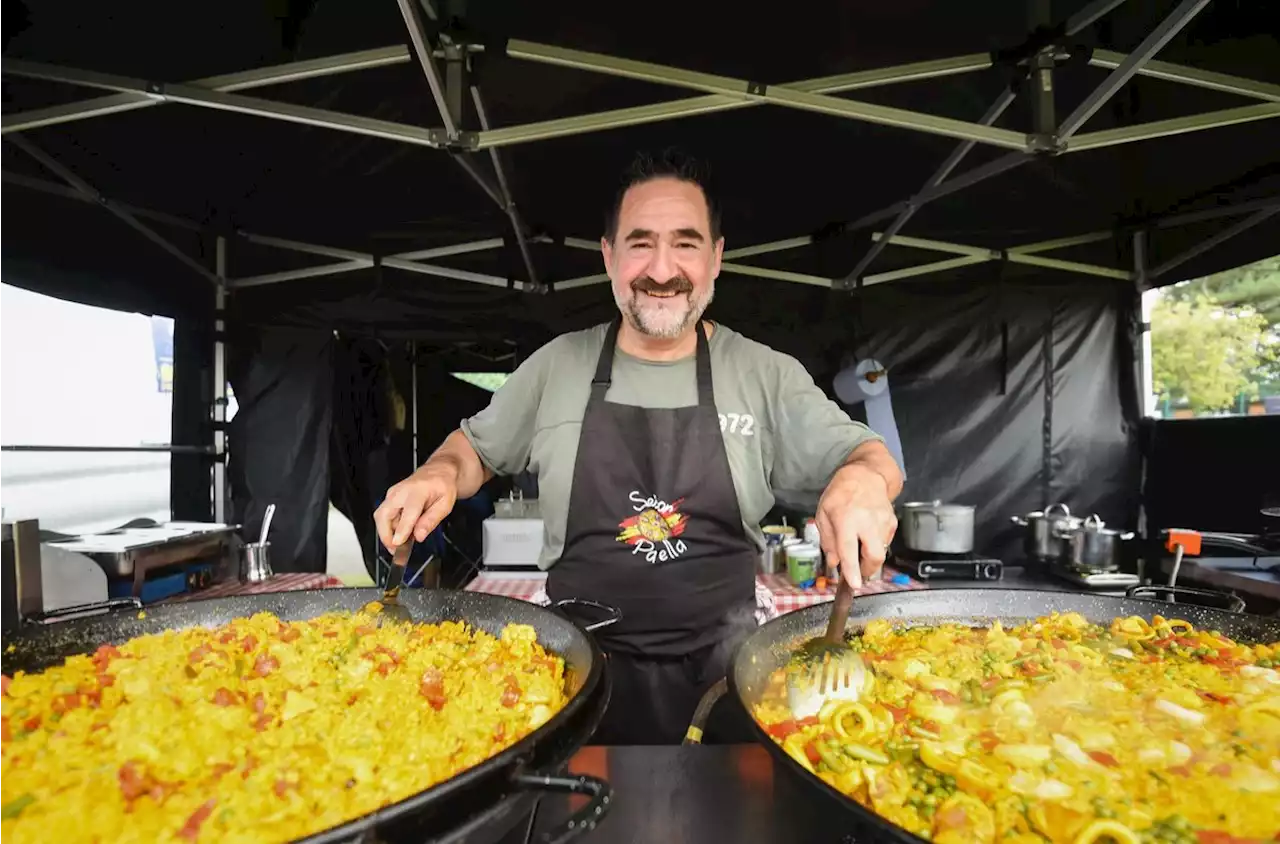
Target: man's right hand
point(418, 503)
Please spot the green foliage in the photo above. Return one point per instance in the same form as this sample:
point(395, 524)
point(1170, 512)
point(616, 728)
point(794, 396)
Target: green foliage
point(1205, 354)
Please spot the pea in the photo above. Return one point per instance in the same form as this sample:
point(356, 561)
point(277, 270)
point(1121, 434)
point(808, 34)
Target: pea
point(966, 694)
point(930, 800)
point(949, 780)
point(1050, 768)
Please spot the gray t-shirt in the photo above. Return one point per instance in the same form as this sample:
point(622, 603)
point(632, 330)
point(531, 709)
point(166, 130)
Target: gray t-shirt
point(780, 430)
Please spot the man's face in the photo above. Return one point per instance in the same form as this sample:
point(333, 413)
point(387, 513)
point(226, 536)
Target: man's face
point(662, 262)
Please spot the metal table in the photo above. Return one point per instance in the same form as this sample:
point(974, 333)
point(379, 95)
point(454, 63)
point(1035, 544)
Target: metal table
point(132, 552)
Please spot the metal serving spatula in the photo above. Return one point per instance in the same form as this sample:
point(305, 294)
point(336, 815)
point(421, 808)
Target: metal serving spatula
point(826, 668)
point(390, 610)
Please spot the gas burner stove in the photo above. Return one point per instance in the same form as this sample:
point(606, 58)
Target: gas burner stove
point(1102, 580)
point(950, 566)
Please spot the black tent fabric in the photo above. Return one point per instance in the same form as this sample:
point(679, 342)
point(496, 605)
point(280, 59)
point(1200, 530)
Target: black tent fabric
point(1007, 397)
point(1016, 384)
point(280, 439)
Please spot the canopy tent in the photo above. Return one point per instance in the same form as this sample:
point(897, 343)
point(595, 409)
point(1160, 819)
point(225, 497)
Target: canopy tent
point(439, 173)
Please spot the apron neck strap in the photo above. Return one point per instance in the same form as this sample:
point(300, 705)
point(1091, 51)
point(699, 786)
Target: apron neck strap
point(702, 365)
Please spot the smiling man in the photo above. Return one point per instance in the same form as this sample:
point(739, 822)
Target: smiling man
point(657, 440)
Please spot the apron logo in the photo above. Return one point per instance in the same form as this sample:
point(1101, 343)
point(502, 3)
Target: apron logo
point(655, 529)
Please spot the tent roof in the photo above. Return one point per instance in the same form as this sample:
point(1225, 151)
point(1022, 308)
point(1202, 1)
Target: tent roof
point(780, 172)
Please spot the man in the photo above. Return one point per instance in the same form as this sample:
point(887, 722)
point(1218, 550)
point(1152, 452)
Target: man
point(657, 440)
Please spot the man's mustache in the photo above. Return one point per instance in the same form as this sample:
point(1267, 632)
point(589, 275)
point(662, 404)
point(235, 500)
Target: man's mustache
point(677, 284)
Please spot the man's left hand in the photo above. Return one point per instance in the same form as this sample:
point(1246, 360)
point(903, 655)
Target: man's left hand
point(856, 522)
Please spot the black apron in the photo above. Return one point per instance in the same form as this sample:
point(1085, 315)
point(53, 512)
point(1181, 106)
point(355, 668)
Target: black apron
point(654, 529)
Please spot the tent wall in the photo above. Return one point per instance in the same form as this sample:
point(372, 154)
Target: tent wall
point(189, 476)
point(283, 381)
point(1007, 396)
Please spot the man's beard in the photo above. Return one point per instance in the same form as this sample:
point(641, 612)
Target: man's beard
point(664, 318)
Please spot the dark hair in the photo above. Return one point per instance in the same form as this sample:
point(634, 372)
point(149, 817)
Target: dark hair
point(669, 164)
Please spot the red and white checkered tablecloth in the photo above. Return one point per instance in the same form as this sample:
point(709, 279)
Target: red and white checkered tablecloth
point(775, 595)
point(789, 598)
point(277, 583)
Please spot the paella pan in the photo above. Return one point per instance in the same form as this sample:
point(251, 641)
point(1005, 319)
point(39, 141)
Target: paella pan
point(292, 717)
point(1033, 716)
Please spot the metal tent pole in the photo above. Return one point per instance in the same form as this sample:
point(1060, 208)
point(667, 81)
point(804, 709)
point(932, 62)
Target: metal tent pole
point(1150, 45)
point(220, 385)
point(1009, 255)
point(1173, 126)
point(92, 194)
point(636, 115)
point(1193, 76)
point(915, 203)
point(413, 395)
point(191, 95)
point(1219, 238)
point(504, 187)
point(230, 82)
point(759, 92)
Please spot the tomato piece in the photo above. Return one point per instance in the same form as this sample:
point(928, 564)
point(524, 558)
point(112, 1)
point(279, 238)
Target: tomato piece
point(432, 688)
point(223, 697)
point(511, 694)
point(782, 729)
point(1222, 769)
point(5, 680)
point(265, 664)
point(249, 643)
point(289, 634)
point(1058, 644)
point(331, 634)
point(811, 751)
point(133, 782)
point(199, 653)
point(103, 655)
point(988, 740)
point(5, 735)
point(1215, 697)
point(191, 829)
point(946, 696)
point(1104, 758)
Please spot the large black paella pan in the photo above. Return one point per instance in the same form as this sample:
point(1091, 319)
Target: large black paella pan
point(774, 644)
point(478, 804)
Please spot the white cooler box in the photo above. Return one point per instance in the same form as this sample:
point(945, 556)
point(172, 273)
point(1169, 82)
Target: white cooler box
point(509, 543)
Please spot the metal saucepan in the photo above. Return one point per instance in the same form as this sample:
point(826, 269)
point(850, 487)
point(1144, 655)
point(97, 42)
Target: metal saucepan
point(1039, 541)
point(472, 806)
point(932, 527)
point(1091, 545)
point(769, 647)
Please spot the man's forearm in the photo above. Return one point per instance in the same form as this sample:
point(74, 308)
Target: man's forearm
point(456, 456)
point(875, 457)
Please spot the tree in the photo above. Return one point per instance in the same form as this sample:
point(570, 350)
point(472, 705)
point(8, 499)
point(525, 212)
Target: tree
point(1255, 286)
point(1205, 354)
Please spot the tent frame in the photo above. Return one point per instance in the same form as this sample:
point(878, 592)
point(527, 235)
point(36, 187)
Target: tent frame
point(721, 94)
point(428, 42)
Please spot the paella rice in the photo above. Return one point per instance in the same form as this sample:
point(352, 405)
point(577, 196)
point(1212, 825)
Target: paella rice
point(261, 730)
point(1054, 730)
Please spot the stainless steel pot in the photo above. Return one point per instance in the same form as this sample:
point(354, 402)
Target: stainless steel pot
point(1092, 546)
point(932, 527)
point(1039, 541)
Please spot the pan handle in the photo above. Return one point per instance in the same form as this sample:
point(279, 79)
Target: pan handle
point(586, 818)
point(615, 614)
point(1234, 602)
point(86, 609)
